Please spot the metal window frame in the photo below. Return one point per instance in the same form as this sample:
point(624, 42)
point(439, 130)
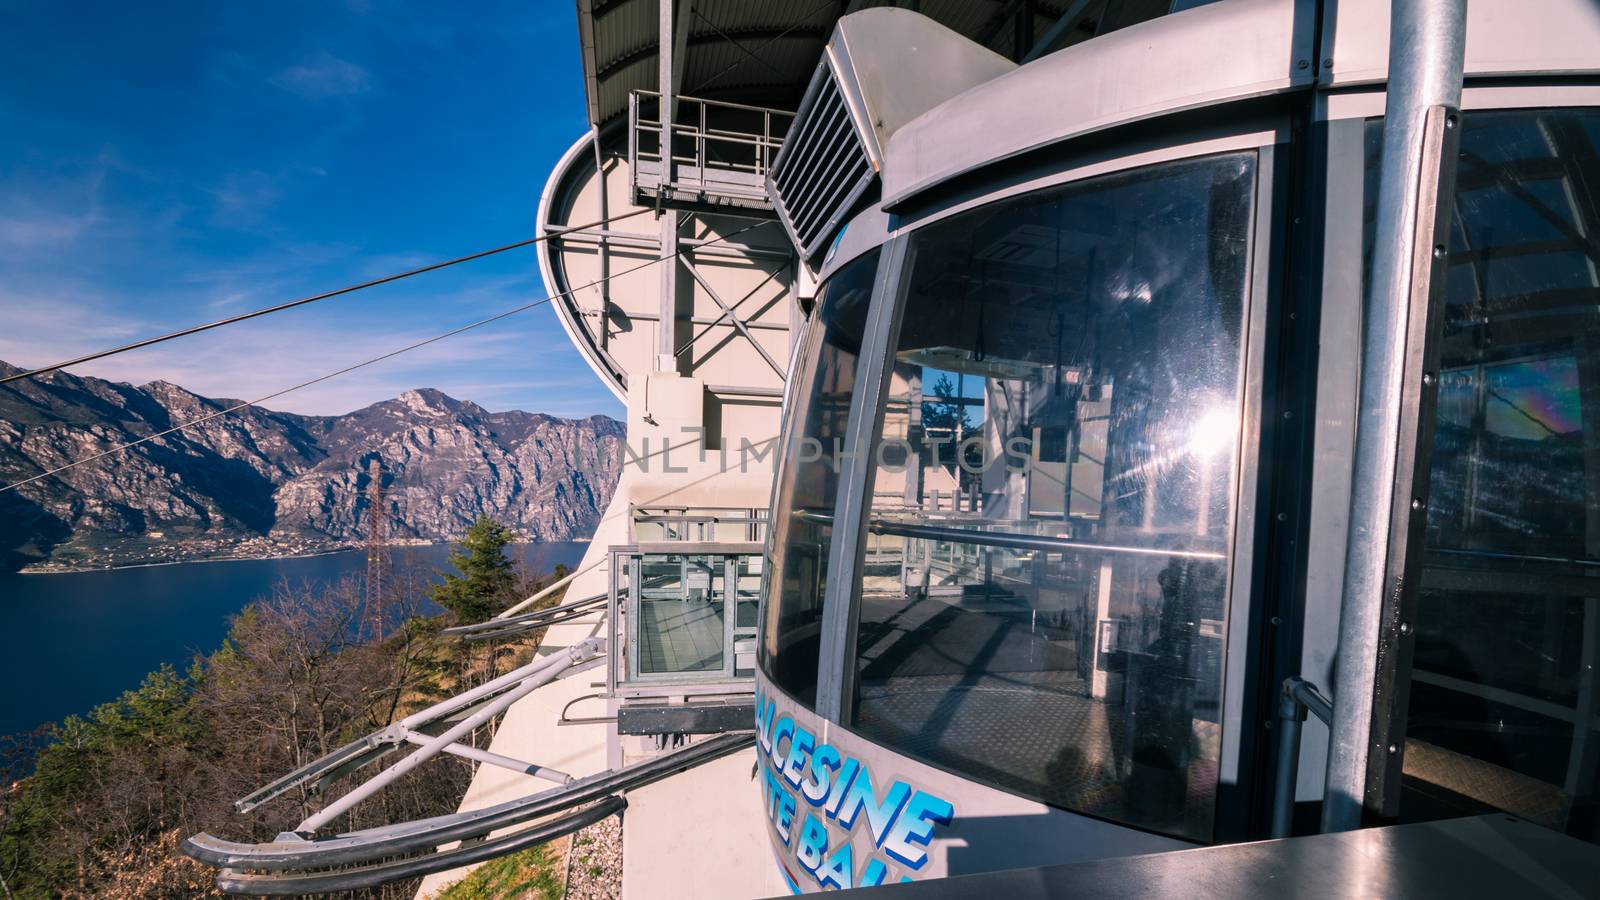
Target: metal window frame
point(1381, 789)
point(1260, 135)
point(623, 678)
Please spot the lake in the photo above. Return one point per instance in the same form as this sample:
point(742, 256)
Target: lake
point(71, 641)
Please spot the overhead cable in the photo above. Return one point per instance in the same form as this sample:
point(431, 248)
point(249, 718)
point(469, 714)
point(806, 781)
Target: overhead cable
point(351, 368)
point(431, 267)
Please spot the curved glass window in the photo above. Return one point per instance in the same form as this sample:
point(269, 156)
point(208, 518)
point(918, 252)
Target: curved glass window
point(807, 481)
point(1047, 550)
point(1504, 705)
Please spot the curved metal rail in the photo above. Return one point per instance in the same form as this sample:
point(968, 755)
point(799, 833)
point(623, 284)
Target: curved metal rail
point(437, 729)
point(295, 865)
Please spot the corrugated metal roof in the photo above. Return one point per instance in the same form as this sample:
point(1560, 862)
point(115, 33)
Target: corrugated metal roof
point(763, 51)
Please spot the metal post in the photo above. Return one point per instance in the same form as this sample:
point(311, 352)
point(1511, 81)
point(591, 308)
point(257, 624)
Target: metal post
point(1297, 697)
point(667, 325)
point(604, 333)
point(1426, 47)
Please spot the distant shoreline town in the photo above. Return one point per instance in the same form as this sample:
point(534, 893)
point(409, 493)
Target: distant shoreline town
point(150, 550)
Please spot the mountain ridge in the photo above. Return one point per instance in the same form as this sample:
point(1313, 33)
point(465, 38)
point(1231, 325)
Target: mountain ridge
point(259, 482)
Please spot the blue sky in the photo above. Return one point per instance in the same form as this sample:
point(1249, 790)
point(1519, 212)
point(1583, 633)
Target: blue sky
point(170, 163)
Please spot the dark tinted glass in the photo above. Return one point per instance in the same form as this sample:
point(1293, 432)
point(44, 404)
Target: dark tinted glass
point(1502, 711)
point(1042, 599)
point(808, 480)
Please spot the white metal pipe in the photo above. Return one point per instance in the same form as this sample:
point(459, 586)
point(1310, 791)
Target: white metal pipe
point(444, 707)
point(1426, 48)
point(569, 657)
point(467, 751)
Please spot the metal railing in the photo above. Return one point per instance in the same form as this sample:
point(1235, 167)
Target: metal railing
point(699, 523)
point(1297, 697)
point(716, 163)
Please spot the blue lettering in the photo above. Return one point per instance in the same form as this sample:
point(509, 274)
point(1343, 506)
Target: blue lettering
point(914, 827)
point(769, 782)
point(785, 814)
point(880, 816)
point(764, 726)
point(816, 787)
point(843, 784)
point(874, 873)
point(813, 840)
point(839, 868)
point(796, 760)
point(783, 729)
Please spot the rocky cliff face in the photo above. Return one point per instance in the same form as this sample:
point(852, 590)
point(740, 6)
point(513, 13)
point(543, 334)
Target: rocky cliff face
point(277, 482)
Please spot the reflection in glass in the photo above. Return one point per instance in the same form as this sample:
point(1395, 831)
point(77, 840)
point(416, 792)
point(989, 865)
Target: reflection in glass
point(1042, 597)
point(807, 480)
point(1502, 711)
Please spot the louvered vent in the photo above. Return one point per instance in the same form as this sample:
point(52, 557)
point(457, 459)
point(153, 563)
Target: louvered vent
point(823, 167)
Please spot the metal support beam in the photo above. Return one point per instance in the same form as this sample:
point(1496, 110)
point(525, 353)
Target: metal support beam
point(1067, 20)
point(544, 672)
point(1426, 48)
point(728, 313)
point(603, 332)
point(702, 246)
point(467, 751)
point(667, 325)
point(733, 319)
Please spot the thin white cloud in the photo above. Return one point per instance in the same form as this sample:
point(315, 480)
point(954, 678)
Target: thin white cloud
point(44, 230)
point(492, 367)
point(325, 75)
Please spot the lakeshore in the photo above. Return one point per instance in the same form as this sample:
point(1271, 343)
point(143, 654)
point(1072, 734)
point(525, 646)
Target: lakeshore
point(82, 638)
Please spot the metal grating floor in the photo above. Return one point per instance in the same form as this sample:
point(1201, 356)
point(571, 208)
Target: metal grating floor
point(680, 636)
point(997, 696)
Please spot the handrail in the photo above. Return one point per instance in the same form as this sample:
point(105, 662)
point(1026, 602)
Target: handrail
point(1297, 697)
point(1006, 539)
point(1019, 541)
point(687, 169)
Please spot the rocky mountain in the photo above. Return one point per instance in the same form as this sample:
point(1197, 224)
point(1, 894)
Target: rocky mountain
point(258, 482)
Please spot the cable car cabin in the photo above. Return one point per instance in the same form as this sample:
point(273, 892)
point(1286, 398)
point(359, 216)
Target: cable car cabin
point(1071, 463)
point(1190, 435)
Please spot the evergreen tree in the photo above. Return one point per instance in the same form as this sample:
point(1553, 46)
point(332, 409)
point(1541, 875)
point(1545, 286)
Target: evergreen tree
point(487, 579)
point(942, 410)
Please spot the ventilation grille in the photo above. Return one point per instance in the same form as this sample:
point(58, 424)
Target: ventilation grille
point(823, 167)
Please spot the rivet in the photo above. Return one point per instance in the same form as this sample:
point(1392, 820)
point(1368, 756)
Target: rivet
point(1393, 749)
point(1283, 517)
point(1303, 64)
point(1439, 252)
point(1419, 504)
point(1288, 414)
point(1327, 63)
point(1428, 379)
point(1405, 627)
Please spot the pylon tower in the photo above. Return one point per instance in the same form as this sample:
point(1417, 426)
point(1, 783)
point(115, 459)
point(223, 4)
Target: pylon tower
point(377, 551)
